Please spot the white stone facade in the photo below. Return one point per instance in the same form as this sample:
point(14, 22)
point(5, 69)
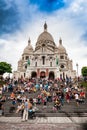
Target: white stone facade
point(43, 59)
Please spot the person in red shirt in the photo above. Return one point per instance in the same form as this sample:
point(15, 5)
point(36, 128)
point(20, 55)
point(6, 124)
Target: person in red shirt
point(67, 97)
point(82, 94)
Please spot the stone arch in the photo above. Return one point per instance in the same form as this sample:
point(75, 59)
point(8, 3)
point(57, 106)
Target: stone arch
point(51, 75)
point(33, 74)
point(42, 74)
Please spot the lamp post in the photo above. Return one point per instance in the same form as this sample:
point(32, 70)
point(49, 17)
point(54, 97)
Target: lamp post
point(57, 64)
point(77, 68)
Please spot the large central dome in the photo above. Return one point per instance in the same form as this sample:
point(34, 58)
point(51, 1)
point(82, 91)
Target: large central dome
point(45, 39)
point(45, 35)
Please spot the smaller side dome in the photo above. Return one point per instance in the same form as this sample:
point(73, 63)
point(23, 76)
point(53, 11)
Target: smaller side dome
point(61, 48)
point(29, 45)
point(20, 60)
point(28, 49)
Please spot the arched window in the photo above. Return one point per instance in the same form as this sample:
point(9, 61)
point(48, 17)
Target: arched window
point(50, 64)
point(35, 64)
point(27, 57)
point(25, 66)
point(61, 57)
point(43, 47)
point(62, 66)
point(43, 60)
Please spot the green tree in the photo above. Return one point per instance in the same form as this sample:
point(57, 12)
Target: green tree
point(84, 71)
point(5, 67)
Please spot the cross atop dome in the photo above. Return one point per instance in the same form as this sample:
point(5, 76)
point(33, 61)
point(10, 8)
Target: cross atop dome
point(45, 27)
point(60, 41)
point(29, 41)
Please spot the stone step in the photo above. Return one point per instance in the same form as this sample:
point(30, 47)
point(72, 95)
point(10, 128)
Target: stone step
point(50, 114)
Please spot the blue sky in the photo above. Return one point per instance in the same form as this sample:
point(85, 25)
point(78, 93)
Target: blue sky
point(14, 13)
point(21, 19)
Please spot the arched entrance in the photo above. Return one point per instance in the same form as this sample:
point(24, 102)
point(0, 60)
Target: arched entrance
point(51, 75)
point(33, 74)
point(42, 74)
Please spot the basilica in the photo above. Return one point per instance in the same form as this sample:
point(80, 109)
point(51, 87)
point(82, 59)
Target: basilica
point(47, 60)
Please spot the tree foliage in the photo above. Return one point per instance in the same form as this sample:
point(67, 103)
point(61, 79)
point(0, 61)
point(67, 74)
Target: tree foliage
point(5, 67)
point(84, 71)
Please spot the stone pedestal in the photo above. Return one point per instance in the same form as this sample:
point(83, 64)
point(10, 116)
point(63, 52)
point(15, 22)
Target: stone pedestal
point(28, 72)
point(58, 72)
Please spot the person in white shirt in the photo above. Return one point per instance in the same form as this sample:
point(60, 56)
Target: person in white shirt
point(77, 98)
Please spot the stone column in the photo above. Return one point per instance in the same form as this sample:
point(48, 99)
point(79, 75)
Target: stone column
point(38, 73)
point(47, 73)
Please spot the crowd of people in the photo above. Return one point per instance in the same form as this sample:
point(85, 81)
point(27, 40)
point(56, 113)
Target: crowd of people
point(26, 94)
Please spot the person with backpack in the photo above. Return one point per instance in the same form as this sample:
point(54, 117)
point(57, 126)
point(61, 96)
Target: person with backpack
point(25, 113)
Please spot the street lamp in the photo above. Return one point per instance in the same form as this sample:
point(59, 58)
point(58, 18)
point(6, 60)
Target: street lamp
point(77, 68)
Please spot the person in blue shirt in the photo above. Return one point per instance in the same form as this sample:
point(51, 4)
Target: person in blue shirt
point(25, 113)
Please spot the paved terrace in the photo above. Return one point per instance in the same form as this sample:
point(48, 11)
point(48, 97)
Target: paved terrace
point(48, 123)
point(45, 120)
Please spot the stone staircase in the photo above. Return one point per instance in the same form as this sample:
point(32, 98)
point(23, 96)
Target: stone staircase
point(69, 110)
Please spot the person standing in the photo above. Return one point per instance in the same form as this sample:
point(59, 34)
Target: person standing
point(25, 113)
point(68, 97)
point(77, 98)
